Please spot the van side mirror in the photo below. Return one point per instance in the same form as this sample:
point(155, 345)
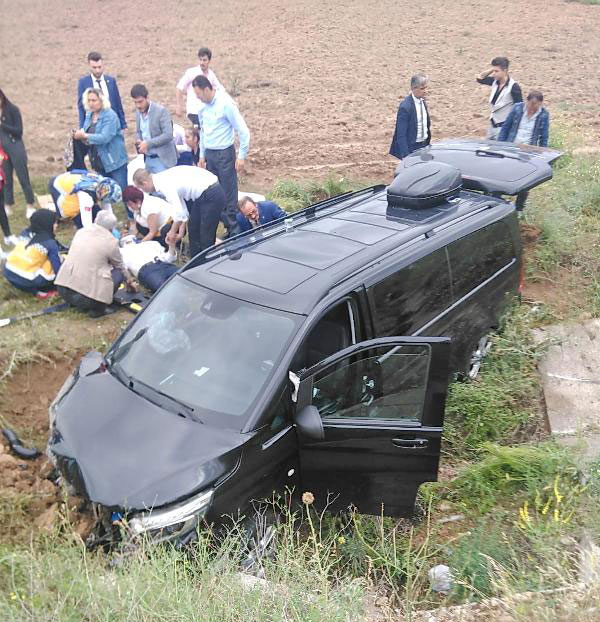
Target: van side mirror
point(309, 424)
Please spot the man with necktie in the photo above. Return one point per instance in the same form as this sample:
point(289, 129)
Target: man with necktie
point(413, 123)
point(97, 79)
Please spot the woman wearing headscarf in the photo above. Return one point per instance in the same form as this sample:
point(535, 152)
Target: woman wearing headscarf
point(34, 262)
point(93, 269)
point(11, 140)
point(101, 131)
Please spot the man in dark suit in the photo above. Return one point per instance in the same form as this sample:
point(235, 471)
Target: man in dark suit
point(413, 124)
point(99, 80)
point(253, 214)
point(154, 131)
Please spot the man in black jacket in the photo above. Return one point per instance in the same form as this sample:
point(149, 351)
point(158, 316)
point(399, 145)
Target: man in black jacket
point(413, 124)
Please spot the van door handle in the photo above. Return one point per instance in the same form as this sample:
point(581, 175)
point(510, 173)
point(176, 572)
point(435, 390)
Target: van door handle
point(411, 443)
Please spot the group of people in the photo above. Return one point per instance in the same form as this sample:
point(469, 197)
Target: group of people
point(511, 119)
point(182, 181)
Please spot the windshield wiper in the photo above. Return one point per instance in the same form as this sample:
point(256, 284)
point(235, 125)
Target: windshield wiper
point(188, 410)
point(121, 351)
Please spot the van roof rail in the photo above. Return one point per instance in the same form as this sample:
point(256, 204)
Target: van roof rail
point(248, 239)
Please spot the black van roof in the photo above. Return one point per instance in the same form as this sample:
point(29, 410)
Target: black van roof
point(292, 264)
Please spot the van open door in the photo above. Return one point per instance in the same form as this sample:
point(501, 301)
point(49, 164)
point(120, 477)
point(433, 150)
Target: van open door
point(490, 166)
point(369, 422)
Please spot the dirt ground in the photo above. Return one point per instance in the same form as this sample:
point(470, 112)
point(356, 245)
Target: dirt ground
point(318, 82)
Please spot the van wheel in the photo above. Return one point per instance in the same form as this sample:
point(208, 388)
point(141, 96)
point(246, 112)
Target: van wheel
point(484, 345)
point(261, 530)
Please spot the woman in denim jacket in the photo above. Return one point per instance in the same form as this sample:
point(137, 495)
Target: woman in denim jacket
point(101, 131)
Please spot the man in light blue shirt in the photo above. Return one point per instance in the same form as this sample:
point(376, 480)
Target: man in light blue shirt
point(220, 120)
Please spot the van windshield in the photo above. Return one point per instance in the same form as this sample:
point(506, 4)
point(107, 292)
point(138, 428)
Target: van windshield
point(207, 351)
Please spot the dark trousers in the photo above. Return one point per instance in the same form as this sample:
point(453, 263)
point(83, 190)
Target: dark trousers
point(84, 303)
point(152, 275)
point(3, 217)
point(204, 214)
point(221, 162)
point(162, 234)
point(17, 162)
point(521, 199)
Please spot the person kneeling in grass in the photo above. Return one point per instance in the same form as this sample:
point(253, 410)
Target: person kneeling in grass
point(93, 269)
point(33, 264)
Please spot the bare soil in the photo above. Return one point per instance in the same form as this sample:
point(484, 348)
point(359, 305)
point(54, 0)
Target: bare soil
point(318, 82)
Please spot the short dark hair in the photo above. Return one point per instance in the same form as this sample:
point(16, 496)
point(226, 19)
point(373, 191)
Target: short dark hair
point(202, 82)
point(204, 52)
point(500, 61)
point(535, 95)
point(95, 56)
point(139, 90)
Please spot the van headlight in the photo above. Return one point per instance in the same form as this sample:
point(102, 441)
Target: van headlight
point(174, 520)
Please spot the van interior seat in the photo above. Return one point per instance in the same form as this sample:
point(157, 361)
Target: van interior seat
point(326, 339)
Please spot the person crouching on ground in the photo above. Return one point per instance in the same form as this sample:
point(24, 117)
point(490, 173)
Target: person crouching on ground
point(190, 157)
point(252, 214)
point(152, 215)
point(33, 264)
point(93, 269)
point(149, 262)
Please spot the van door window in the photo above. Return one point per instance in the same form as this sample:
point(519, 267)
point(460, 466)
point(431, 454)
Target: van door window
point(335, 331)
point(409, 298)
point(478, 256)
point(388, 383)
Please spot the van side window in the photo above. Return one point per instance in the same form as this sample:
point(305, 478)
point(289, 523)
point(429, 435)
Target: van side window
point(409, 298)
point(478, 256)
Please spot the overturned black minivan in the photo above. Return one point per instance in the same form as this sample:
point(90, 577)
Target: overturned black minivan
point(310, 354)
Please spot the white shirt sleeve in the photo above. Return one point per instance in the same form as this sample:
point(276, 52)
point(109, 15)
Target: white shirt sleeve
point(86, 204)
point(180, 212)
point(184, 82)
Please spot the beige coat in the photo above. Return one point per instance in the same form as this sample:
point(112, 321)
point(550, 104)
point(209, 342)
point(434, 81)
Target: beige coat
point(94, 252)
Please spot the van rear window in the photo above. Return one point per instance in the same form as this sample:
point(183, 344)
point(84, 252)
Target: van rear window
point(409, 298)
point(478, 256)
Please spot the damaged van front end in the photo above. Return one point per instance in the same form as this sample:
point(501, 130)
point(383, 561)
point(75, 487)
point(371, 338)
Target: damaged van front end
point(145, 470)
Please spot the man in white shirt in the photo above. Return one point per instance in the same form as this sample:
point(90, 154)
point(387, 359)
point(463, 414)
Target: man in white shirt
point(196, 198)
point(149, 262)
point(413, 124)
point(184, 86)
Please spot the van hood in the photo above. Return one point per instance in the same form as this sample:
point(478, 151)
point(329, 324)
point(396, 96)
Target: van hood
point(120, 450)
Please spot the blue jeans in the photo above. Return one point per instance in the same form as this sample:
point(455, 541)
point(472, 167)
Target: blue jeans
point(154, 165)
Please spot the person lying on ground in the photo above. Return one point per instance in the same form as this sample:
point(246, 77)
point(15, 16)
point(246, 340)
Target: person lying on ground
point(528, 124)
point(34, 262)
point(78, 196)
point(149, 262)
point(152, 215)
point(196, 198)
point(93, 269)
point(252, 214)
